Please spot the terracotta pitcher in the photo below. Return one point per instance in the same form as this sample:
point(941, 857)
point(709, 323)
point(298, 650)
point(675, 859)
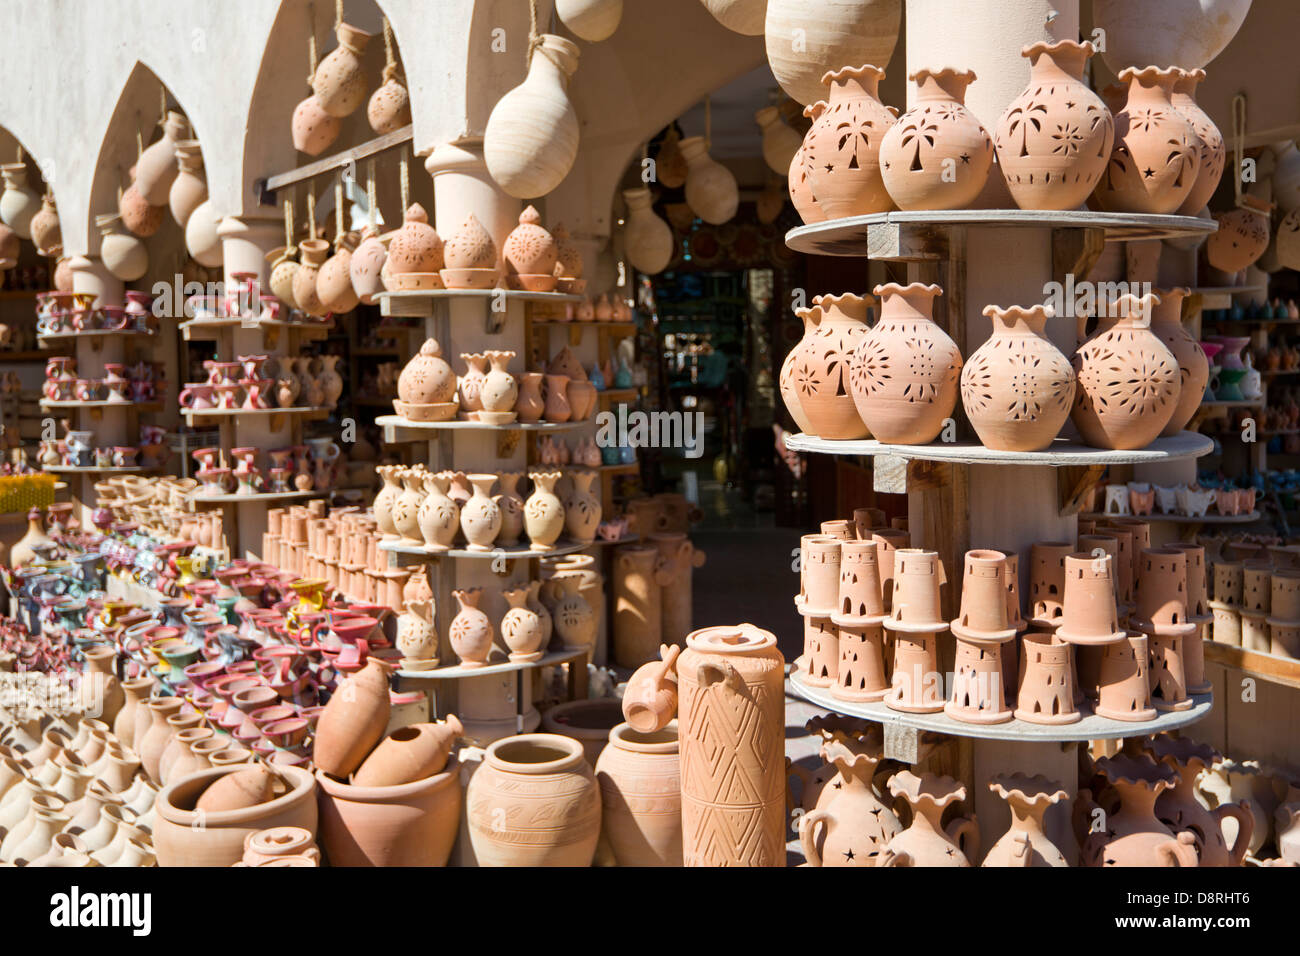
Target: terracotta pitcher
point(850, 825)
point(927, 841)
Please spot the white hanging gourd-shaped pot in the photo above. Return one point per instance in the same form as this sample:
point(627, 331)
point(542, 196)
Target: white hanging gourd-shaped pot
point(156, 168)
point(190, 187)
point(19, 202)
point(201, 239)
point(739, 16)
point(808, 38)
point(531, 139)
point(590, 20)
point(124, 255)
point(780, 141)
point(647, 238)
point(711, 189)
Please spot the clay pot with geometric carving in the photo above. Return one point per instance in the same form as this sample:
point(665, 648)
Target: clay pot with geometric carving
point(937, 156)
point(1025, 844)
point(1128, 380)
point(1055, 138)
point(530, 254)
point(850, 825)
point(1047, 681)
point(927, 841)
point(1178, 808)
point(1153, 165)
point(842, 148)
point(469, 257)
point(820, 371)
point(1017, 388)
point(1134, 835)
point(1193, 366)
point(639, 773)
point(1213, 153)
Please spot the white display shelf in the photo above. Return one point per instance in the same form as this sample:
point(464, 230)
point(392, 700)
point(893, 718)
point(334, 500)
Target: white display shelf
point(207, 329)
point(104, 403)
point(1088, 727)
point(458, 672)
point(518, 295)
point(260, 496)
point(90, 334)
point(510, 554)
point(94, 470)
point(191, 413)
point(904, 235)
point(1062, 454)
point(1180, 519)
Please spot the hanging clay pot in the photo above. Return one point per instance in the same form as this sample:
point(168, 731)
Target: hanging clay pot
point(1025, 843)
point(711, 190)
point(339, 84)
point(19, 202)
point(1193, 366)
point(156, 169)
point(820, 371)
point(1153, 165)
point(739, 16)
point(937, 156)
point(314, 254)
point(647, 238)
point(928, 841)
point(353, 720)
point(531, 137)
point(849, 825)
point(904, 372)
point(800, 188)
point(469, 256)
point(1017, 388)
point(1139, 32)
point(1133, 835)
point(530, 254)
point(805, 38)
point(389, 108)
point(1213, 152)
point(366, 266)
point(283, 269)
point(1055, 138)
point(190, 187)
point(123, 254)
point(137, 215)
point(470, 631)
point(1242, 236)
point(842, 148)
point(201, 239)
point(1128, 380)
point(334, 280)
point(590, 20)
point(44, 226)
point(313, 129)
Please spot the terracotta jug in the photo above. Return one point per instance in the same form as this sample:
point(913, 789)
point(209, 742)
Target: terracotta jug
point(1025, 843)
point(334, 281)
point(639, 774)
point(904, 372)
point(850, 825)
point(1153, 165)
point(353, 720)
point(152, 744)
point(928, 841)
point(1017, 388)
point(1133, 835)
point(314, 253)
point(1128, 380)
point(1213, 152)
point(470, 631)
point(937, 156)
point(1242, 236)
point(647, 238)
point(1055, 138)
point(650, 699)
point(1193, 366)
point(836, 325)
point(842, 148)
point(800, 189)
point(543, 511)
point(1178, 809)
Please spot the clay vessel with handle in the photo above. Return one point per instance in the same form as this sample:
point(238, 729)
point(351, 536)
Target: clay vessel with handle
point(650, 700)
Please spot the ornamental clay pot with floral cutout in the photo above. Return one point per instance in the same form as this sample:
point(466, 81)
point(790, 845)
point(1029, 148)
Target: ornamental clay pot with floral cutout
point(480, 518)
point(841, 152)
point(937, 156)
point(850, 825)
point(1025, 843)
point(417, 636)
point(1055, 138)
point(339, 83)
point(469, 257)
point(835, 326)
point(1153, 165)
point(1128, 380)
point(801, 194)
point(470, 631)
point(1193, 366)
point(543, 511)
point(389, 107)
point(416, 247)
point(582, 508)
point(530, 254)
point(521, 627)
point(1017, 388)
point(904, 372)
point(498, 390)
point(438, 516)
point(1213, 153)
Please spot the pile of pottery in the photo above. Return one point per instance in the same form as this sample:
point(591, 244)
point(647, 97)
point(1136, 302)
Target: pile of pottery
point(1233, 378)
point(1256, 606)
point(436, 511)
point(121, 384)
point(77, 450)
point(1194, 501)
point(257, 382)
point(899, 380)
point(601, 309)
point(150, 512)
point(61, 313)
point(429, 391)
point(1114, 626)
point(307, 467)
point(338, 547)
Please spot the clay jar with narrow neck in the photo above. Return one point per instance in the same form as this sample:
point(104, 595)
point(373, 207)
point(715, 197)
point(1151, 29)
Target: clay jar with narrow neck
point(1055, 138)
point(927, 841)
point(1025, 844)
point(530, 405)
point(904, 372)
point(850, 825)
point(384, 501)
point(314, 253)
point(543, 511)
point(1017, 388)
point(470, 631)
point(1213, 152)
point(511, 504)
point(1134, 836)
point(801, 194)
point(438, 516)
point(1193, 366)
point(937, 156)
point(1178, 809)
point(841, 152)
point(820, 371)
point(339, 82)
point(354, 720)
point(786, 380)
point(1128, 380)
point(480, 518)
point(1153, 165)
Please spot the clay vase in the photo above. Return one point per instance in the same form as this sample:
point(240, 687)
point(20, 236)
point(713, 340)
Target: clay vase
point(416, 247)
point(1193, 366)
point(1089, 613)
point(1153, 165)
point(156, 169)
point(480, 518)
point(639, 773)
point(366, 265)
point(334, 280)
point(804, 38)
point(711, 190)
point(841, 152)
point(498, 390)
point(406, 508)
point(409, 753)
point(389, 108)
point(1128, 380)
point(190, 187)
point(574, 618)
point(1178, 809)
point(1017, 388)
point(339, 83)
point(353, 720)
point(800, 189)
point(1242, 236)
point(1025, 843)
point(1213, 152)
point(46, 233)
point(139, 216)
point(650, 698)
point(937, 156)
point(786, 380)
point(849, 825)
point(427, 378)
point(521, 627)
point(731, 719)
point(582, 508)
point(314, 253)
point(904, 372)
point(543, 512)
point(529, 405)
point(534, 801)
point(135, 692)
point(927, 841)
point(836, 326)
point(312, 128)
point(386, 498)
point(101, 693)
point(19, 202)
point(470, 631)
point(1134, 836)
point(154, 741)
point(1055, 138)
point(417, 636)
point(647, 239)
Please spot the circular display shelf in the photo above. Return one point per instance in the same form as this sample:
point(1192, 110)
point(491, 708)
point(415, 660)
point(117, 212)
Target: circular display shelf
point(850, 236)
point(260, 496)
point(518, 295)
point(1089, 727)
point(458, 672)
point(198, 328)
point(94, 470)
point(510, 554)
point(1063, 453)
point(136, 406)
point(1180, 519)
point(397, 421)
point(626, 539)
point(193, 413)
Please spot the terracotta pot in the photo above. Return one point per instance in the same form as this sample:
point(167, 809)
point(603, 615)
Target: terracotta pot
point(480, 518)
point(639, 775)
point(1047, 681)
point(180, 841)
point(416, 247)
point(582, 508)
point(1213, 152)
point(787, 381)
point(339, 83)
point(543, 511)
point(1124, 689)
point(314, 254)
point(820, 370)
point(1193, 366)
point(409, 754)
point(313, 129)
point(647, 239)
point(638, 579)
point(1242, 236)
point(888, 542)
point(438, 516)
point(927, 841)
point(806, 38)
point(1153, 166)
point(1055, 138)
point(904, 372)
point(366, 265)
point(842, 149)
point(530, 405)
point(1090, 615)
point(46, 233)
point(534, 802)
point(780, 142)
point(1179, 810)
point(800, 189)
point(277, 842)
point(334, 280)
point(137, 214)
point(1025, 843)
point(711, 190)
point(529, 250)
point(102, 694)
point(937, 156)
point(1128, 380)
point(155, 170)
point(19, 202)
point(1152, 31)
point(731, 714)
point(151, 745)
point(470, 631)
point(650, 698)
point(190, 187)
point(353, 720)
point(248, 787)
point(581, 396)
point(389, 107)
point(1134, 836)
point(427, 378)
point(1017, 388)
point(918, 575)
point(849, 825)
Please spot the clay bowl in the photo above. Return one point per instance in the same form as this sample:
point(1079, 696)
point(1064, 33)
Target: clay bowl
point(571, 286)
point(413, 282)
point(469, 278)
point(432, 412)
point(531, 283)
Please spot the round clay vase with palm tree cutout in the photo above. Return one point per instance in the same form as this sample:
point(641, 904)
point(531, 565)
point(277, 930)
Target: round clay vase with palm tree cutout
point(849, 825)
point(842, 148)
point(837, 324)
point(786, 380)
point(1193, 366)
point(1213, 152)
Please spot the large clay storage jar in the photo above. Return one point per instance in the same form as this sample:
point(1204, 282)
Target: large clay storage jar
point(638, 609)
point(805, 38)
point(937, 156)
point(820, 370)
point(904, 373)
point(1128, 380)
point(1055, 138)
point(1213, 154)
point(1153, 164)
point(731, 720)
point(1193, 366)
point(641, 793)
point(1017, 388)
point(534, 802)
point(841, 152)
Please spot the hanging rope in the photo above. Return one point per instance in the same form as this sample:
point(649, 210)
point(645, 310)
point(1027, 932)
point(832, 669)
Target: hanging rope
point(162, 105)
point(139, 139)
point(390, 58)
point(536, 41)
point(20, 154)
point(371, 193)
point(405, 180)
point(338, 14)
point(288, 226)
point(311, 212)
point(708, 122)
point(1238, 141)
point(339, 229)
point(311, 44)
